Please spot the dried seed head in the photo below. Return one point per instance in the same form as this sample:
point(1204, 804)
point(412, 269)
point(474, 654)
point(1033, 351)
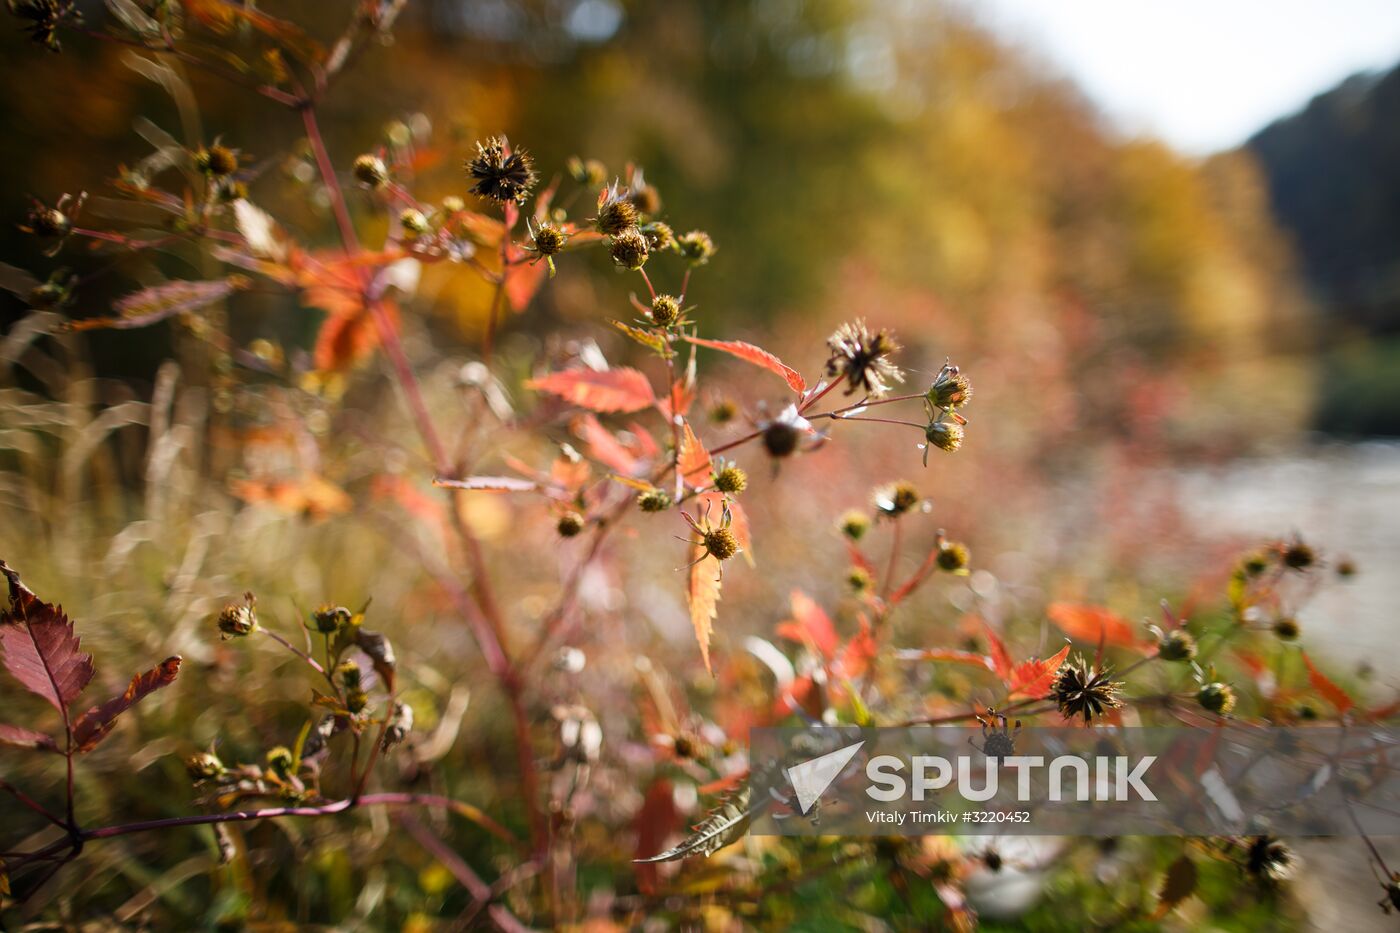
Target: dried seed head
point(330, 619)
point(1079, 690)
point(1255, 564)
point(1268, 859)
point(954, 557)
point(44, 19)
point(216, 161)
point(665, 310)
point(615, 215)
point(1346, 567)
point(570, 524)
point(1176, 645)
point(239, 619)
point(548, 239)
point(204, 766)
point(646, 199)
point(720, 543)
point(854, 524)
point(895, 499)
point(780, 439)
point(723, 411)
point(732, 480)
point(499, 175)
point(590, 172)
point(1298, 556)
point(629, 249)
point(369, 171)
point(697, 247)
point(859, 580)
point(950, 389)
point(945, 435)
point(999, 744)
point(1287, 628)
point(653, 500)
point(413, 222)
point(1216, 697)
point(659, 236)
point(861, 357)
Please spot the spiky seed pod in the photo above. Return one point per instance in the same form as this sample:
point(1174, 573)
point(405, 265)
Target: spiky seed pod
point(854, 524)
point(1216, 697)
point(723, 411)
point(954, 557)
point(216, 161)
point(1268, 859)
point(720, 543)
point(615, 215)
point(1287, 628)
point(780, 439)
point(895, 499)
point(237, 620)
point(330, 619)
point(697, 247)
point(732, 480)
point(204, 766)
point(369, 171)
point(999, 744)
point(1176, 645)
point(1298, 555)
point(570, 524)
point(660, 236)
point(548, 240)
point(47, 222)
point(646, 199)
point(653, 500)
point(859, 580)
point(629, 249)
point(951, 389)
point(44, 19)
point(1079, 690)
point(945, 435)
point(501, 176)
point(413, 222)
point(665, 310)
point(861, 357)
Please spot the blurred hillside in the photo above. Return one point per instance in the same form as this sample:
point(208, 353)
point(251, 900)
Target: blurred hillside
point(1333, 181)
point(849, 158)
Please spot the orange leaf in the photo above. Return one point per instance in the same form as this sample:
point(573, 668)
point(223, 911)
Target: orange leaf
point(1034, 677)
point(1334, 694)
point(810, 625)
point(858, 652)
point(758, 357)
point(694, 460)
point(98, 721)
point(623, 389)
point(523, 279)
point(1001, 658)
point(703, 597)
point(1092, 624)
point(490, 483)
point(603, 446)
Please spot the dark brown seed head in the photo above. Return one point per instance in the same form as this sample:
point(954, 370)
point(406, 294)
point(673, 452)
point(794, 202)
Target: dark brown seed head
point(615, 215)
point(216, 161)
point(861, 357)
point(570, 524)
point(629, 249)
point(1079, 690)
point(780, 439)
point(954, 557)
point(500, 175)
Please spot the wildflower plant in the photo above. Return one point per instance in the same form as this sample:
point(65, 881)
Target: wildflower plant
point(611, 448)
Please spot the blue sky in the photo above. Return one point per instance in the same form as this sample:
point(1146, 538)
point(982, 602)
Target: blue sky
point(1201, 74)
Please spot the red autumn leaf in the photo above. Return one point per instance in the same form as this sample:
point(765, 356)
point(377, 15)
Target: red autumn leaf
point(1093, 624)
point(1334, 694)
point(702, 595)
point(810, 625)
point(20, 737)
point(758, 357)
point(1034, 677)
point(569, 472)
point(40, 648)
point(523, 279)
point(1001, 658)
point(681, 397)
point(622, 389)
point(94, 725)
point(857, 653)
point(603, 446)
point(694, 459)
point(489, 483)
point(657, 820)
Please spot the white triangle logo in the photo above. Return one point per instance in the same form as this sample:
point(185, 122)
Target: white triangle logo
point(812, 777)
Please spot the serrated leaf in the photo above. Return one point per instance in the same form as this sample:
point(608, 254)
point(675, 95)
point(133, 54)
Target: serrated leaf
point(722, 826)
point(1177, 886)
point(702, 596)
point(161, 302)
point(1323, 685)
point(1001, 658)
point(19, 737)
point(489, 483)
point(646, 338)
point(96, 723)
point(758, 356)
point(40, 648)
point(1035, 677)
point(616, 390)
point(603, 445)
point(694, 459)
